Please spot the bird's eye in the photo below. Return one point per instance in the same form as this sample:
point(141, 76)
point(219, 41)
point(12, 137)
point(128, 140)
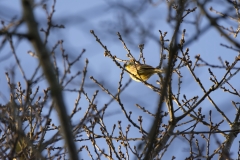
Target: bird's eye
point(136, 62)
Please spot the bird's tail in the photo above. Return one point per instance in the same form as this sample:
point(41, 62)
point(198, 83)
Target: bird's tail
point(156, 70)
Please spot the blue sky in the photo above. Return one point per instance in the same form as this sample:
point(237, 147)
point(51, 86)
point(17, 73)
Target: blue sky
point(79, 17)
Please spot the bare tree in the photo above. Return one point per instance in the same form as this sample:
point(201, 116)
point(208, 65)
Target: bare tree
point(28, 128)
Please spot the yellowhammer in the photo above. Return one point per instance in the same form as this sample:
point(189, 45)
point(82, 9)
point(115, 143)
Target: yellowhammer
point(141, 71)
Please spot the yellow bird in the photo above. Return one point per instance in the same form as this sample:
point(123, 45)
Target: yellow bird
point(141, 71)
